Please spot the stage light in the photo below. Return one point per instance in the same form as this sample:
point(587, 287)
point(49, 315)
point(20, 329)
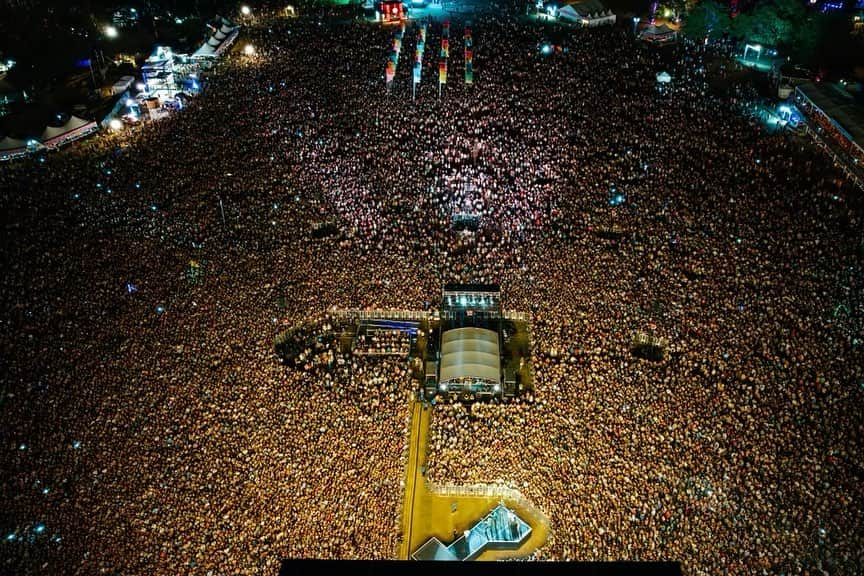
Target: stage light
point(245, 10)
point(140, 86)
point(115, 124)
point(110, 32)
point(443, 387)
point(249, 50)
point(496, 388)
point(39, 528)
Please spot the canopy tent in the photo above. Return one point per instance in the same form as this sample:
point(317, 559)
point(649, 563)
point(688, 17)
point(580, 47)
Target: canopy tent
point(220, 41)
point(470, 353)
point(840, 107)
point(662, 33)
point(664, 78)
point(11, 148)
point(73, 129)
point(205, 51)
point(587, 12)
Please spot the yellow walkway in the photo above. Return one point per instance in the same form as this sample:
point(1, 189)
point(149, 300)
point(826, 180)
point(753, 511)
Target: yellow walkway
point(427, 512)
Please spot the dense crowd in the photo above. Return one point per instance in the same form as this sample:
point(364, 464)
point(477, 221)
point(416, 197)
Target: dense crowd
point(149, 426)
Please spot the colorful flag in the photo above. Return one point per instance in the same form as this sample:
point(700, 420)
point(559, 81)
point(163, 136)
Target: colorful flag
point(390, 73)
point(469, 73)
point(417, 73)
point(469, 56)
point(442, 72)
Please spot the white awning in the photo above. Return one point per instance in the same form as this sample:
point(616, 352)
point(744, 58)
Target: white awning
point(470, 353)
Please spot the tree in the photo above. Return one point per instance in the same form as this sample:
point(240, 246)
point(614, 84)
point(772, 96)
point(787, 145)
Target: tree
point(773, 23)
point(708, 19)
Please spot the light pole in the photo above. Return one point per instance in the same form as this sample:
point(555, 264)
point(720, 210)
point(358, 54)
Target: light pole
point(635, 24)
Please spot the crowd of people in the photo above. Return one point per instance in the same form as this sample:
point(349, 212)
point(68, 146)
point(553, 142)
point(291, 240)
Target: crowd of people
point(150, 427)
point(390, 342)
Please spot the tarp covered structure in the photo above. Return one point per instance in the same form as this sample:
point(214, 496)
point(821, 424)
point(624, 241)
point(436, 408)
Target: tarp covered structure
point(662, 33)
point(843, 110)
point(73, 129)
point(220, 41)
point(11, 148)
point(470, 353)
point(587, 12)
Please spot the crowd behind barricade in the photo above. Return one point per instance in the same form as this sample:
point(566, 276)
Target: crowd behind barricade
point(390, 342)
point(150, 427)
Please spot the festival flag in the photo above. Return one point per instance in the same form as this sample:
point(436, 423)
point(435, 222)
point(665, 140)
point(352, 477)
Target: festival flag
point(397, 44)
point(445, 47)
point(469, 56)
point(467, 32)
point(418, 55)
point(468, 42)
point(469, 73)
point(445, 33)
point(417, 69)
point(423, 33)
point(390, 73)
point(442, 72)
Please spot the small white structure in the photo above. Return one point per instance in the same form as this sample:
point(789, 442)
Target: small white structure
point(589, 13)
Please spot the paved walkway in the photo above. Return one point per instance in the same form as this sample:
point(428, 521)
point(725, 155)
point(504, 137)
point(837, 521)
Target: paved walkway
point(429, 512)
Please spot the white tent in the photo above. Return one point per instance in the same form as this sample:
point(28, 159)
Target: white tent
point(73, 129)
point(470, 353)
point(205, 51)
point(586, 12)
point(664, 78)
point(11, 148)
point(660, 33)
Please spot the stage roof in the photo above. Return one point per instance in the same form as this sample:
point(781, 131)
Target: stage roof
point(470, 353)
point(842, 108)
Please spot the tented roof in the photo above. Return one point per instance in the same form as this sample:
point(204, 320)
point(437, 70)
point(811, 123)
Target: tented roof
point(72, 124)
point(470, 353)
point(204, 50)
point(653, 30)
point(842, 109)
point(586, 8)
point(8, 143)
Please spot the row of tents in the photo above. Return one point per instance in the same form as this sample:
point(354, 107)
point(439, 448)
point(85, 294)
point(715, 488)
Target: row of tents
point(53, 137)
point(220, 41)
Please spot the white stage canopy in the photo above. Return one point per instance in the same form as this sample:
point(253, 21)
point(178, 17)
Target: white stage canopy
point(470, 353)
